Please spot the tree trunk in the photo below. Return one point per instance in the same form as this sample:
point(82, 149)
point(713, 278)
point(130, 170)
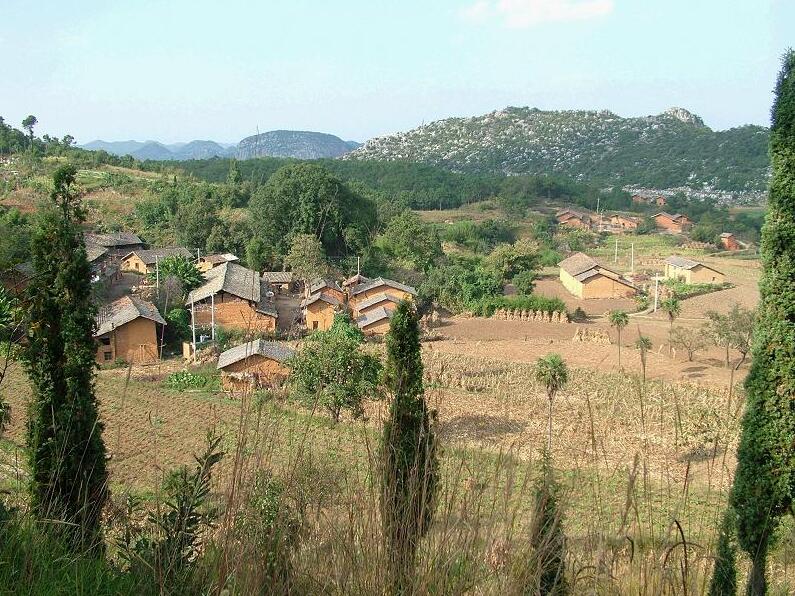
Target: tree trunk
point(757, 584)
point(549, 426)
point(727, 355)
point(619, 348)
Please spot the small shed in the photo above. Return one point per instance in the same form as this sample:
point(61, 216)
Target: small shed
point(586, 278)
point(282, 281)
point(692, 272)
point(254, 365)
point(375, 322)
point(127, 330)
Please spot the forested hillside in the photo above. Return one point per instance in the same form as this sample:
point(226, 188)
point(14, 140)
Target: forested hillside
point(671, 150)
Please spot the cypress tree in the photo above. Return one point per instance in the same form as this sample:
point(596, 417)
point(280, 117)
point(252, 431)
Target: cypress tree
point(547, 537)
point(409, 458)
point(764, 481)
point(724, 576)
point(66, 452)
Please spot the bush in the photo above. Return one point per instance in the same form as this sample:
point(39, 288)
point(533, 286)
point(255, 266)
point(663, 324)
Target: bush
point(487, 306)
point(549, 257)
point(683, 290)
point(184, 379)
point(524, 282)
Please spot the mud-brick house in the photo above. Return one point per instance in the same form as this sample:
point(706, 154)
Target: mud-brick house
point(127, 329)
point(208, 262)
point(624, 223)
point(570, 218)
point(326, 287)
point(145, 261)
point(388, 301)
point(376, 321)
point(586, 278)
point(729, 241)
point(281, 281)
point(319, 311)
point(354, 281)
point(692, 272)
point(254, 365)
point(374, 287)
point(117, 244)
point(676, 223)
point(236, 297)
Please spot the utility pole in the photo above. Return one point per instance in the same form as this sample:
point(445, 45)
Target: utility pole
point(656, 291)
point(615, 253)
point(632, 258)
point(193, 328)
point(157, 273)
point(358, 265)
point(212, 316)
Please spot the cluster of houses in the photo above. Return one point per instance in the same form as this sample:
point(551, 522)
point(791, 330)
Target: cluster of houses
point(619, 223)
point(586, 278)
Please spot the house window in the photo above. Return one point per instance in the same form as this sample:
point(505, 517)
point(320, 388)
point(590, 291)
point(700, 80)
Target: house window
point(314, 325)
point(105, 341)
point(107, 356)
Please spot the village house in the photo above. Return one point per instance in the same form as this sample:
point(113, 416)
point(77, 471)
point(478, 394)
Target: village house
point(691, 272)
point(388, 301)
point(585, 278)
point(355, 280)
point(729, 242)
point(624, 223)
point(127, 329)
point(207, 262)
point(145, 261)
point(281, 281)
point(319, 311)
point(365, 291)
point(376, 321)
point(117, 244)
point(574, 219)
point(236, 297)
point(327, 288)
point(254, 365)
point(659, 201)
point(676, 223)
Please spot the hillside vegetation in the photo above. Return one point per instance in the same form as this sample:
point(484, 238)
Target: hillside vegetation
point(670, 150)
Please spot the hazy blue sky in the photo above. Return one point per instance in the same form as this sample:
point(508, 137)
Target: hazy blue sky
point(185, 69)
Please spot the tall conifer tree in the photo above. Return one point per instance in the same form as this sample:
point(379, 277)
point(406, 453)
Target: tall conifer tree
point(764, 482)
point(410, 466)
point(67, 455)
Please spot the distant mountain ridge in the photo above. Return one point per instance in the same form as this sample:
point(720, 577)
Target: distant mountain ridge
point(275, 143)
point(671, 150)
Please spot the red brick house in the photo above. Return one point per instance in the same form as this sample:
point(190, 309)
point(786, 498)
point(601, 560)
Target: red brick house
point(729, 242)
point(676, 223)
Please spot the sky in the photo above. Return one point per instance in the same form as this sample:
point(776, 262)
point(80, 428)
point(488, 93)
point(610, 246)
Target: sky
point(195, 69)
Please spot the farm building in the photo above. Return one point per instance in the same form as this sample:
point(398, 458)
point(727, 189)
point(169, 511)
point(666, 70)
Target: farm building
point(207, 262)
point(319, 311)
point(254, 364)
point(691, 272)
point(145, 261)
point(574, 219)
point(127, 330)
point(118, 244)
point(326, 287)
point(376, 321)
point(624, 223)
point(281, 281)
point(386, 300)
point(585, 278)
point(729, 242)
point(676, 223)
point(374, 287)
point(355, 280)
point(236, 297)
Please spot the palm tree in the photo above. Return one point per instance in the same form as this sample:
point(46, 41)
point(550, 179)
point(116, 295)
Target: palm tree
point(673, 307)
point(552, 373)
point(643, 344)
point(618, 319)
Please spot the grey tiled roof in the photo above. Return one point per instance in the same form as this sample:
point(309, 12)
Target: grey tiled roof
point(95, 251)
point(381, 281)
point(124, 310)
point(230, 278)
point(375, 315)
point(577, 263)
point(269, 349)
point(278, 277)
point(684, 263)
point(319, 284)
point(150, 257)
point(376, 300)
point(112, 239)
point(217, 259)
point(320, 297)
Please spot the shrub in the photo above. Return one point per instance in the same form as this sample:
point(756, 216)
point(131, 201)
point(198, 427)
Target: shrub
point(524, 282)
point(487, 306)
point(683, 290)
point(184, 379)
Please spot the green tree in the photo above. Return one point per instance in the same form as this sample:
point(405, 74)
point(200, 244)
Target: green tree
point(618, 319)
point(181, 268)
point(724, 574)
point(305, 198)
point(410, 242)
point(643, 345)
point(672, 307)
point(688, 339)
point(28, 123)
point(510, 260)
point(68, 479)
point(259, 256)
point(524, 282)
point(332, 370)
point(306, 258)
point(764, 482)
point(408, 453)
point(551, 372)
point(195, 218)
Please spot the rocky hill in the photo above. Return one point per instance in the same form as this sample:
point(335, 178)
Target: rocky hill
point(293, 143)
point(667, 151)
